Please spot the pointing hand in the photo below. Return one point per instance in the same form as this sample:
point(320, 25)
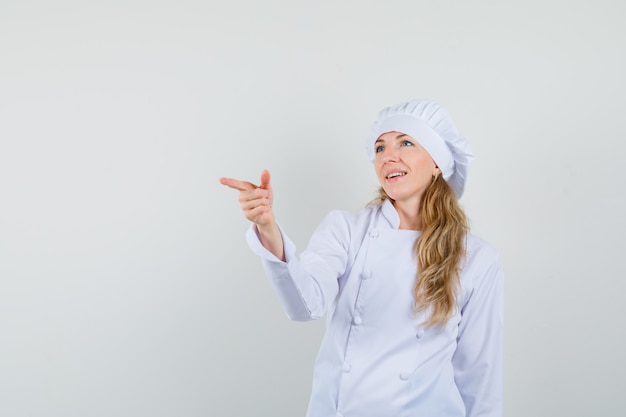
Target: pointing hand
point(255, 201)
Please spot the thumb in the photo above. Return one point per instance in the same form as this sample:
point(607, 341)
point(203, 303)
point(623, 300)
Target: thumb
point(265, 180)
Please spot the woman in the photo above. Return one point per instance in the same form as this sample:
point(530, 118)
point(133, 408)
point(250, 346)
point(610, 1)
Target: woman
point(413, 300)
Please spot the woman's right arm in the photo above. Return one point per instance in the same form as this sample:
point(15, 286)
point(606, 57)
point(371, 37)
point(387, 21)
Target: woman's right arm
point(306, 287)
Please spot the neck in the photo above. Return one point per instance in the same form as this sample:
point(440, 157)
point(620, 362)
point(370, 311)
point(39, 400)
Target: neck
point(410, 216)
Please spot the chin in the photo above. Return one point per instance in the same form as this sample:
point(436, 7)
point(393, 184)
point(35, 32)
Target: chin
point(392, 195)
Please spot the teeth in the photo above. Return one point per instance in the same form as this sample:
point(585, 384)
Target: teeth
point(396, 174)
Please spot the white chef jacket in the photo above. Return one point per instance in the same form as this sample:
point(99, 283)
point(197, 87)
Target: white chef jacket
point(376, 358)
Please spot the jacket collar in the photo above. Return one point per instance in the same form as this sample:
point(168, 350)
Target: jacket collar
point(390, 214)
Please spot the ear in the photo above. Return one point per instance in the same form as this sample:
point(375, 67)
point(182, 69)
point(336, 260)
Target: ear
point(437, 171)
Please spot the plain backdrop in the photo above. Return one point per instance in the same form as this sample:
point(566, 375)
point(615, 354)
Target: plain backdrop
point(126, 286)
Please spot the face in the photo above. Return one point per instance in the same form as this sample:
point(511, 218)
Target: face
point(404, 168)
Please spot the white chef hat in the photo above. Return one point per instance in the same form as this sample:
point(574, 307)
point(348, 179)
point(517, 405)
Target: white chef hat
point(432, 127)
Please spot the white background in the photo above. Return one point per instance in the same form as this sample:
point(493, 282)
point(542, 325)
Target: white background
point(126, 287)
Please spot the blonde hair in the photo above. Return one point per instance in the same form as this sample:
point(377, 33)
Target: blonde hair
point(439, 250)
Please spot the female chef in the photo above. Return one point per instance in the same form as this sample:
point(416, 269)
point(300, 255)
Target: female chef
point(414, 301)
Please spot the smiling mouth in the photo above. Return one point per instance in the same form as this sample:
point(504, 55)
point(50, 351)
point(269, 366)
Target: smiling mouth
point(395, 174)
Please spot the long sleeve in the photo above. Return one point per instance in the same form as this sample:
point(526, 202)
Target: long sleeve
point(477, 361)
point(307, 287)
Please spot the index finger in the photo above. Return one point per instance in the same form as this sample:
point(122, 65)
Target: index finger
point(236, 184)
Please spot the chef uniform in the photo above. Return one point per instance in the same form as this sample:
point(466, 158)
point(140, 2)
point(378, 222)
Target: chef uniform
point(377, 359)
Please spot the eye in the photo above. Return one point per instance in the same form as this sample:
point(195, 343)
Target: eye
point(407, 143)
point(379, 149)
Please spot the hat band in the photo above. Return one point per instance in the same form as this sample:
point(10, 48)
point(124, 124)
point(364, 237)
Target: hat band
point(425, 135)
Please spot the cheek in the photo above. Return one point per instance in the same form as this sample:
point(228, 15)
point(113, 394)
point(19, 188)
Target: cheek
point(426, 163)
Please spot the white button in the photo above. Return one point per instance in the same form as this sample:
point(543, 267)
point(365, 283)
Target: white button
point(405, 376)
point(419, 334)
point(374, 233)
point(339, 414)
point(366, 275)
point(346, 367)
point(357, 320)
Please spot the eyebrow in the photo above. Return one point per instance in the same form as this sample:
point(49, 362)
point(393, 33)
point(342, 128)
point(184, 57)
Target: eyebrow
point(397, 137)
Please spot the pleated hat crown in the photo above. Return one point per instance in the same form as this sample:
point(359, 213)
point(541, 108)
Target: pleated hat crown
point(432, 127)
